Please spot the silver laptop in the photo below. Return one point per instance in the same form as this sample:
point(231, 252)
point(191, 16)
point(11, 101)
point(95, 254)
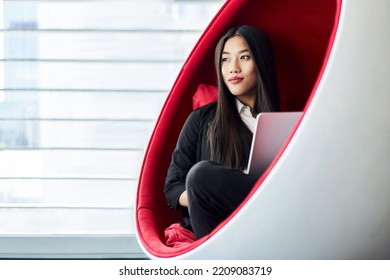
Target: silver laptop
point(270, 133)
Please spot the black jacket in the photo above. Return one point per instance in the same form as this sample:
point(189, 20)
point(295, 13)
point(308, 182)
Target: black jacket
point(192, 147)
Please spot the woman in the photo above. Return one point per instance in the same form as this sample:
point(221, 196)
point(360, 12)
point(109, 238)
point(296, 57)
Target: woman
point(206, 178)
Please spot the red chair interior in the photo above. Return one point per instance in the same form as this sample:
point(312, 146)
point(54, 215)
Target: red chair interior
point(301, 32)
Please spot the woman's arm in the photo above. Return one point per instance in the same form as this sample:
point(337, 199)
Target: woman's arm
point(183, 158)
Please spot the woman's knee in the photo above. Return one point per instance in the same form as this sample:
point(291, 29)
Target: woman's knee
point(199, 174)
point(205, 177)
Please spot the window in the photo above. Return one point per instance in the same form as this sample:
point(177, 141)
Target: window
point(81, 85)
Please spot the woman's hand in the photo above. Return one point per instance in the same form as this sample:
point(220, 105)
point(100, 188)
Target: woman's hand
point(183, 199)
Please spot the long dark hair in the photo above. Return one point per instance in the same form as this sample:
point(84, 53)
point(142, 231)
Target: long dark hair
point(229, 137)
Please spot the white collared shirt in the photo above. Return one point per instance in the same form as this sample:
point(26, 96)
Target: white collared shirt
point(246, 115)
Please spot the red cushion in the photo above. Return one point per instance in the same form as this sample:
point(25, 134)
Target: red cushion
point(205, 94)
point(176, 236)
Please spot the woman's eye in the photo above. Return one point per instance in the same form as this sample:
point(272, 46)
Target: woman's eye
point(224, 59)
point(245, 57)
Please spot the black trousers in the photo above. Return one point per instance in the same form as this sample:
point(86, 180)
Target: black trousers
point(214, 192)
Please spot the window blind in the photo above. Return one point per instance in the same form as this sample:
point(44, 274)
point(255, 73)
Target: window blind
point(82, 83)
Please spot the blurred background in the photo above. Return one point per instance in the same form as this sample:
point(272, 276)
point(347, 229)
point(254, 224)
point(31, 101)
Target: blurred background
point(81, 86)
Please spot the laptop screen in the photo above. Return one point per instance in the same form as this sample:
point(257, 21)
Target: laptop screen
point(270, 133)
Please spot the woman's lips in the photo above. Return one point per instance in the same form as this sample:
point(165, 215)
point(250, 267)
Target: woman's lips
point(235, 80)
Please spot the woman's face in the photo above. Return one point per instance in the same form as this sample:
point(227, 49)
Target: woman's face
point(239, 70)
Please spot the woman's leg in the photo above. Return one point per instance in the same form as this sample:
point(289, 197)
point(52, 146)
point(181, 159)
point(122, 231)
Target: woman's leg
point(214, 192)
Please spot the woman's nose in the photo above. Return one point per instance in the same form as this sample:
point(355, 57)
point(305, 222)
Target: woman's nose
point(234, 68)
